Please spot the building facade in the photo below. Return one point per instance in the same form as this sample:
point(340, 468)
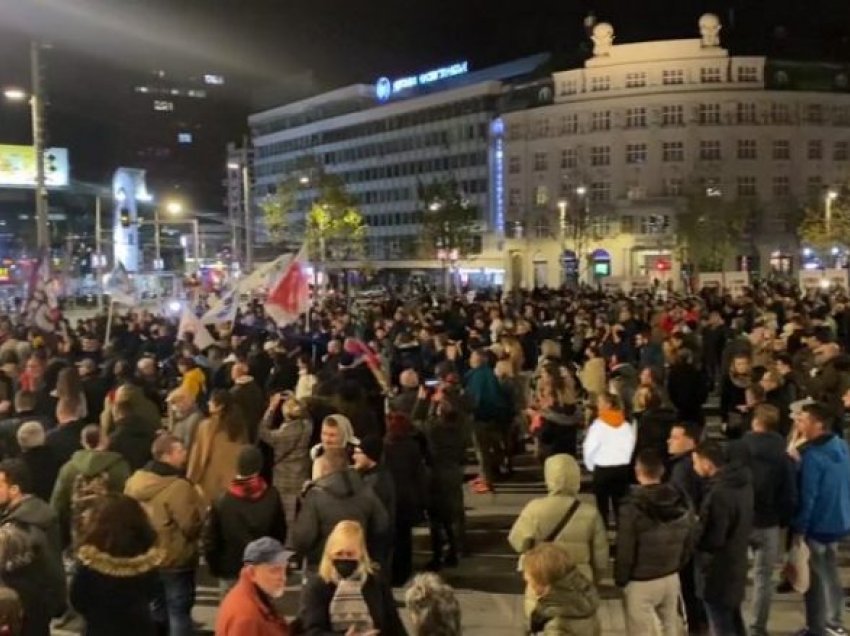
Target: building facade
point(592, 183)
point(385, 140)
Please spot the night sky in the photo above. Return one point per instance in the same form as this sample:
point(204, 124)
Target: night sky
point(98, 45)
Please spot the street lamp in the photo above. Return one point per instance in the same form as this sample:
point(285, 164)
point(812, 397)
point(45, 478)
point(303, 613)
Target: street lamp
point(174, 207)
point(14, 94)
point(829, 197)
point(244, 170)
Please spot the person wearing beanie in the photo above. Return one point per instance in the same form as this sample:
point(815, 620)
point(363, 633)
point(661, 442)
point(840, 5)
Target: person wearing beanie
point(248, 510)
point(368, 461)
point(42, 463)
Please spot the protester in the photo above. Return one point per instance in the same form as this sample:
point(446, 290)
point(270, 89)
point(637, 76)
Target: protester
point(115, 578)
point(249, 510)
point(64, 440)
point(607, 453)
point(368, 461)
point(185, 416)
point(248, 397)
point(40, 460)
point(726, 522)
point(433, 607)
point(347, 596)
point(249, 607)
point(338, 494)
point(822, 517)
point(132, 437)
point(89, 475)
point(218, 441)
point(176, 512)
point(655, 538)
point(336, 432)
point(565, 601)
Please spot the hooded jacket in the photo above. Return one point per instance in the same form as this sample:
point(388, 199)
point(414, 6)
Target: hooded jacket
point(823, 511)
point(726, 521)
point(250, 509)
point(567, 609)
point(584, 537)
point(87, 463)
point(175, 508)
point(491, 403)
point(610, 441)
point(337, 497)
point(113, 594)
point(655, 533)
point(772, 470)
point(133, 439)
point(42, 580)
point(140, 406)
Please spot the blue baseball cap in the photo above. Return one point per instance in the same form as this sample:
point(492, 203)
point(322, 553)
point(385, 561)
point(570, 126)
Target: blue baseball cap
point(266, 551)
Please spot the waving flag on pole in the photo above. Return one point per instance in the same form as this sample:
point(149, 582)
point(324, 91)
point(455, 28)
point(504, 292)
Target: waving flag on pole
point(265, 275)
point(290, 295)
point(224, 310)
point(119, 286)
point(42, 309)
point(189, 322)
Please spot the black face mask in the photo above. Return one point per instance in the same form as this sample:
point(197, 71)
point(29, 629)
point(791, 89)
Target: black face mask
point(345, 567)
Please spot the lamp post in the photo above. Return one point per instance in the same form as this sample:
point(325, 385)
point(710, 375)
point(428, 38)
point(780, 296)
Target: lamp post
point(829, 197)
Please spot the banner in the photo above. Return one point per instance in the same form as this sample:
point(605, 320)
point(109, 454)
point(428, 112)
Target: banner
point(736, 282)
point(612, 284)
point(224, 310)
point(119, 286)
point(710, 280)
point(189, 322)
point(810, 279)
point(836, 278)
point(640, 284)
point(290, 296)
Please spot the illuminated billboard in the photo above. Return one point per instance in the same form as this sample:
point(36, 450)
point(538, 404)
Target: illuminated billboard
point(17, 167)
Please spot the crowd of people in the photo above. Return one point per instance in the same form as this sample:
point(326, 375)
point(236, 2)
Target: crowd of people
point(128, 465)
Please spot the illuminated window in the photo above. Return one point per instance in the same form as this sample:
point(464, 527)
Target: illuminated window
point(184, 138)
point(163, 105)
point(541, 195)
point(215, 80)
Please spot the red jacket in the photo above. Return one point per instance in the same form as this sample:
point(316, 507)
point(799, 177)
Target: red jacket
point(242, 613)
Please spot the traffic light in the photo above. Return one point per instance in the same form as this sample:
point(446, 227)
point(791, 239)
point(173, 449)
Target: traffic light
point(125, 217)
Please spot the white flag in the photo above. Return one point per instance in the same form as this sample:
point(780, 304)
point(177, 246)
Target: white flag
point(191, 323)
point(224, 310)
point(265, 275)
point(119, 286)
point(290, 295)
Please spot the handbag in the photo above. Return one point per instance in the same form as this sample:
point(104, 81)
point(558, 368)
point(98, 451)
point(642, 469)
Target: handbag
point(796, 568)
point(559, 527)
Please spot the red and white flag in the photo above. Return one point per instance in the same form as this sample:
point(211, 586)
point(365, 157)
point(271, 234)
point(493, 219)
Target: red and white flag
point(290, 295)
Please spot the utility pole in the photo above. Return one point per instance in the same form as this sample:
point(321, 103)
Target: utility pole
point(98, 255)
point(246, 203)
point(37, 105)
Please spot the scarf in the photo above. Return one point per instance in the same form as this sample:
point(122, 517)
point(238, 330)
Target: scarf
point(251, 487)
point(348, 607)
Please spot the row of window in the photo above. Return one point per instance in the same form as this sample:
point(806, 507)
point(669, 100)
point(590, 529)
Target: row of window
point(674, 151)
point(744, 186)
point(709, 113)
point(388, 171)
point(714, 74)
point(601, 225)
point(394, 195)
point(369, 129)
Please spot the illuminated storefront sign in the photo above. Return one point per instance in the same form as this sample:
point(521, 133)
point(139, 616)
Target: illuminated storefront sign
point(17, 166)
point(386, 88)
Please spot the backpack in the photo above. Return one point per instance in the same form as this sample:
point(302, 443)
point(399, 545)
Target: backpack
point(85, 493)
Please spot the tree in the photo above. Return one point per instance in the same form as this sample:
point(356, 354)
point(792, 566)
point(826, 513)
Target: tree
point(711, 229)
point(449, 220)
point(813, 231)
point(331, 224)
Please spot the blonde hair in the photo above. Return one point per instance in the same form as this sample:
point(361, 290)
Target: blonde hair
point(546, 563)
point(504, 369)
point(345, 534)
point(550, 349)
point(292, 409)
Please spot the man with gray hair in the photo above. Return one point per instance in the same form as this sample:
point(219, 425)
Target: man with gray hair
point(433, 606)
point(184, 416)
point(40, 460)
point(406, 398)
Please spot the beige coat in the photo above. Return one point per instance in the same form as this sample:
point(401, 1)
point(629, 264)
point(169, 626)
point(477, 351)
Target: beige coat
point(212, 460)
point(584, 537)
point(593, 377)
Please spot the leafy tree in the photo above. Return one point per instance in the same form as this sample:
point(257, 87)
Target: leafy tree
point(711, 229)
point(277, 211)
point(813, 230)
point(449, 220)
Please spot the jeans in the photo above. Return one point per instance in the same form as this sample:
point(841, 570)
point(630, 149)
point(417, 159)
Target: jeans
point(174, 601)
point(651, 602)
point(725, 620)
point(825, 598)
point(765, 545)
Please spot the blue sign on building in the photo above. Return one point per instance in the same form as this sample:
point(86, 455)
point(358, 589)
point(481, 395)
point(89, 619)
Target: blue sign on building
point(384, 88)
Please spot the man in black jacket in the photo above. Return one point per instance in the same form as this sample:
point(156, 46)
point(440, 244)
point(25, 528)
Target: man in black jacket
point(726, 521)
point(775, 493)
point(368, 460)
point(249, 510)
point(654, 541)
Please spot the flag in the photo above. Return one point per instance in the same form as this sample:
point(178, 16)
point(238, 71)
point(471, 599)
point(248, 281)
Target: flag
point(189, 322)
point(265, 275)
point(290, 295)
point(119, 286)
point(42, 309)
point(224, 310)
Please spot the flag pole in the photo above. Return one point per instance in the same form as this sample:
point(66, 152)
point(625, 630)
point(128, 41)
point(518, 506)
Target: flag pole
point(109, 322)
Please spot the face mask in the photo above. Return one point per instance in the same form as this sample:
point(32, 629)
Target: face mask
point(345, 567)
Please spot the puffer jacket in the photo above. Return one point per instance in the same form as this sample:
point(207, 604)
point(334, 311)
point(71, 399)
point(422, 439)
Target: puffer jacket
point(333, 498)
point(175, 508)
point(584, 536)
point(823, 511)
point(567, 609)
point(655, 534)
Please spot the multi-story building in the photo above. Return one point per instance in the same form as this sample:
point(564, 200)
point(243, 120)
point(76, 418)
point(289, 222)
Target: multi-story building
point(386, 139)
point(641, 125)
